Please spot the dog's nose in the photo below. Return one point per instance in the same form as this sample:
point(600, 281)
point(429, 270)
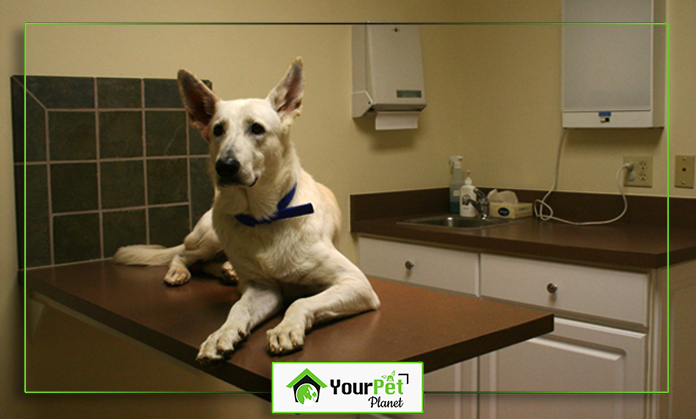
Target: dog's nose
point(227, 169)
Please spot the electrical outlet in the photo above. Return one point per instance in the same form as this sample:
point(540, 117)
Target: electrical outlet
point(642, 172)
point(684, 172)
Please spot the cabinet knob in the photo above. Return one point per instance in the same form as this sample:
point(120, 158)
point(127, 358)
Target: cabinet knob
point(552, 288)
point(409, 265)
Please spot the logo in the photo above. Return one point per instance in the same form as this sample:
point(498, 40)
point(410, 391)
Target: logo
point(377, 389)
point(306, 387)
point(348, 387)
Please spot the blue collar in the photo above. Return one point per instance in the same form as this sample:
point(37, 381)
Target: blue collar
point(283, 211)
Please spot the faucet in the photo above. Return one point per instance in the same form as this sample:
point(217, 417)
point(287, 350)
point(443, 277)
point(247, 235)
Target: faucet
point(481, 204)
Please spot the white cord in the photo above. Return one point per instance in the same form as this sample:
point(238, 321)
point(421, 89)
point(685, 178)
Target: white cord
point(539, 211)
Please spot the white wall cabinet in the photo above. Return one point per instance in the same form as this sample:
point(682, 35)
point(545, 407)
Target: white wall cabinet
point(607, 333)
point(613, 74)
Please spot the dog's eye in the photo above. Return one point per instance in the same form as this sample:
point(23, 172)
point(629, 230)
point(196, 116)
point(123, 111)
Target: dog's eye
point(218, 130)
point(257, 129)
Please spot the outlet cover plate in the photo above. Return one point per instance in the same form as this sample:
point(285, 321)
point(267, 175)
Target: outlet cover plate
point(643, 170)
point(684, 172)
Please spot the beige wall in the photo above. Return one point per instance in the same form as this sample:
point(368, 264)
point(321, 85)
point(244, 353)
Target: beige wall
point(493, 94)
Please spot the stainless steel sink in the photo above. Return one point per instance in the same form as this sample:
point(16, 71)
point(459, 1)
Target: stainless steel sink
point(455, 221)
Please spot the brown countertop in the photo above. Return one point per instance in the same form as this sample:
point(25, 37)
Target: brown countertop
point(413, 324)
point(637, 243)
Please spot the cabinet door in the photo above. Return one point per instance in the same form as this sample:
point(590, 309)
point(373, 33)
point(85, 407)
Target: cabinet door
point(576, 357)
point(446, 269)
point(440, 402)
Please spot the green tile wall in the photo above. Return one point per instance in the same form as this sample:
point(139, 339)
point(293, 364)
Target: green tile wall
point(120, 134)
point(105, 162)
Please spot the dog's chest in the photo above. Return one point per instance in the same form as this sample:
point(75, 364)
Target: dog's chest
point(269, 251)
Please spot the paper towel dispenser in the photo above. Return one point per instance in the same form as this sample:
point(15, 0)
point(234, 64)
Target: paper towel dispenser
point(388, 74)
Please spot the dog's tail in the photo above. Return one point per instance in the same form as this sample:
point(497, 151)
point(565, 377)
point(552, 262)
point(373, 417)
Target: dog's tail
point(150, 255)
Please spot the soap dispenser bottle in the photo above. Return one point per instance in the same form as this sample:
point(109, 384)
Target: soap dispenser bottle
point(456, 184)
point(466, 193)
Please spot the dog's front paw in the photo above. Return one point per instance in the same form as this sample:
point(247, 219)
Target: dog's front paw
point(285, 338)
point(177, 276)
point(220, 345)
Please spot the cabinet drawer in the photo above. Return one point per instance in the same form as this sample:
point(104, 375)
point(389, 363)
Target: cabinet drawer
point(611, 294)
point(436, 267)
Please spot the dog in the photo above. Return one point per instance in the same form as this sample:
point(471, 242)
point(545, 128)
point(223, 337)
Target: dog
point(276, 224)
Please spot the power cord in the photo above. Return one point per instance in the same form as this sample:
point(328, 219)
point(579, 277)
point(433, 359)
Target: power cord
point(540, 204)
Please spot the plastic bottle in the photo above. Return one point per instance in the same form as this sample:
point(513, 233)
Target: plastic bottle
point(456, 184)
point(467, 191)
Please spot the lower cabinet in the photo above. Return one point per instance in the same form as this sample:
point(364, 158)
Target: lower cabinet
point(600, 344)
point(579, 356)
point(576, 357)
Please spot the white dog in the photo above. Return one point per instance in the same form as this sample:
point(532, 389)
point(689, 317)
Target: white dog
point(275, 223)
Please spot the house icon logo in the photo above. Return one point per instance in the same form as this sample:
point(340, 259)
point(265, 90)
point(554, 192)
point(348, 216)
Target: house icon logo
point(306, 387)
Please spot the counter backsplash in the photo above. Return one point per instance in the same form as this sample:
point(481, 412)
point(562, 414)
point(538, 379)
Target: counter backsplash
point(109, 162)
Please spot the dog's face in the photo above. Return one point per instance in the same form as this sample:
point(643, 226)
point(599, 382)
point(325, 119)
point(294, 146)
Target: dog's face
point(247, 137)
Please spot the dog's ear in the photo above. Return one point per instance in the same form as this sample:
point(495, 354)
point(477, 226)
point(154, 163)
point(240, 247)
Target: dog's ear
point(286, 97)
point(198, 99)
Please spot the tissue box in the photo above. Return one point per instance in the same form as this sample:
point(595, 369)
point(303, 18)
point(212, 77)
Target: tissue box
point(506, 210)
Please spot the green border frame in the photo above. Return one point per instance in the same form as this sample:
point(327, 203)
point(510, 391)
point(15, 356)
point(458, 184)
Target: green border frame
point(24, 172)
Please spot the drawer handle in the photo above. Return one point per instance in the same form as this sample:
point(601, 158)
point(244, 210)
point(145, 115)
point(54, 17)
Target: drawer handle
point(409, 265)
point(552, 288)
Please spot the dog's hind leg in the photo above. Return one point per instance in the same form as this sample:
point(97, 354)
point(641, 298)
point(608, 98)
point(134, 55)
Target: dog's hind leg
point(222, 270)
point(178, 273)
point(256, 305)
point(178, 258)
point(202, 244)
